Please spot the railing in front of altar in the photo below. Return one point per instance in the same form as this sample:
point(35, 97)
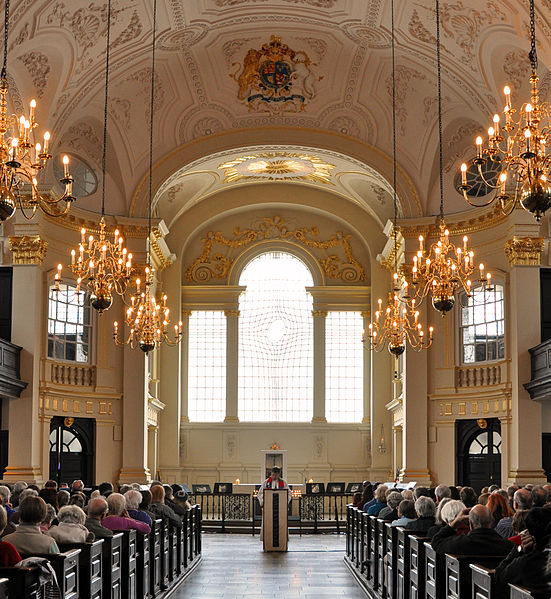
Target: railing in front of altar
point(313, 512)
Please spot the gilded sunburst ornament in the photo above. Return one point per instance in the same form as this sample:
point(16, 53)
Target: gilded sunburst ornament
point(277, 166)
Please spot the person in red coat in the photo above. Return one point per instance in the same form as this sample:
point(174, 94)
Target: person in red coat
point(9, 556)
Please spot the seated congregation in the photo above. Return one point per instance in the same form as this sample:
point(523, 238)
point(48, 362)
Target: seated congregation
point(140, 541)
point(448, 542)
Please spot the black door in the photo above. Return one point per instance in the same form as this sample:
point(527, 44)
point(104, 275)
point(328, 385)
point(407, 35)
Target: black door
point(546, 457)
point(72, 449)
point(478, 445)
point(6, 278)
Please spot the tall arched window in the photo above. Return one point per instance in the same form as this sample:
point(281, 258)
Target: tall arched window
point(276, 340)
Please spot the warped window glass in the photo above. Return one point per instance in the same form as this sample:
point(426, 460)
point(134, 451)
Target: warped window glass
point(207, 366)
point(343, 367)
point(483, 325)
point(276, 340)
point(68, 324)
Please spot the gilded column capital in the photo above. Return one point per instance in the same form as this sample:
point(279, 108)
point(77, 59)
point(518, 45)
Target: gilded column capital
point(524, 251)
point(186, 313)
point(365, 314)
point(229, 313)
point(319, 313)
point(28, 249)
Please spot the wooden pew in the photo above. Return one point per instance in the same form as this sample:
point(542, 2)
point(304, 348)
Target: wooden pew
point(143, 566)
point(364, 522)
point(417, 567)
point(483, 582)
point(374, 554)
point(403, 560)
point(521, 593)
point(435, 573)
point(165, 555)
point(391, 547)
point(349, 513)
point(23, 583)
point(367, 557)
point(459, 573)
point(198, 515)
point(129, 577)
point(381, 552)
point(66, 568)
point(90, 568)
point(173, 552)
point(112, 564)
point(155, 558)
point(4, 582)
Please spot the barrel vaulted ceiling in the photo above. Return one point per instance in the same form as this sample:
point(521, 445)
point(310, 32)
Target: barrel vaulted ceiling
point(57, 54)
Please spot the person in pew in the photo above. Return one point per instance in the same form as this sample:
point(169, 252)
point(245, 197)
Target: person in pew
point(63, 498)
point(522, 500)
point(181, 499)
point(442, 492)
point(357, 501)
point(48, 520)
point(390, 512)
point(5, 494)
point(78, 499)
point(145, 505)
point(519, 525)
point(511, 490)
point(77, 486)
point(499, 508)
point(118, 518)
point(25, 493)
point(367, 496)
point(50, 497)
point(481, 540)
point(158, 507)
point(97, 511)
point(539, 496)
point(169, 500)
point(451, 509)
point(528, 564)
point(28, 539)
point(454, 493)
point(133, 499)
point(425, 512)
point(71, 527)
point(468, 496)
point(50, 484)
point(381, 493)
point(483, 498)
point(18, 488)
point(105, 489)
point(9, 556)
point(406, 513)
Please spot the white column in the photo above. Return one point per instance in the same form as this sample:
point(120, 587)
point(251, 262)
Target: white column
point(232, 364)
point(152, 450)
point(184, 366)
point(319, 365)
point(367, 373)
point(25, 443)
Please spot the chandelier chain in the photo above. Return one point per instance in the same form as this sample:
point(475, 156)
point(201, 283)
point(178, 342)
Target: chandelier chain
point(440, 136)
point(533, 55)
point(105, 111)
point(152, 104)
point(6, 28)
point(395, 199)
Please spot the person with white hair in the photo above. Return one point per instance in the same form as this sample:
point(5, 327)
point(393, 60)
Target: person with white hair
point(133, 499)
point(71, 527)
point(5, 495)
point(17, 489)
point(119, 519)
point(426, 511)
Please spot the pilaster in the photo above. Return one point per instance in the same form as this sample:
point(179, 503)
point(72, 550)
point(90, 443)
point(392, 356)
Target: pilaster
point(319, 317)
point(232, 365)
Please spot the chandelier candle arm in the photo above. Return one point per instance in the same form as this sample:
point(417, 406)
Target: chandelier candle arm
point(521, 152)
point(22, 159)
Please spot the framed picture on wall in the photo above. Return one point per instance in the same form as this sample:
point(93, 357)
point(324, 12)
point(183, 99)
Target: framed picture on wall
point(315, 488)
point(335, 488)
point(201, 489)
point(352, 488)
point(223, 488)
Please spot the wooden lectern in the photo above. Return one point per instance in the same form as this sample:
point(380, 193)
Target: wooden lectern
point(274, 520)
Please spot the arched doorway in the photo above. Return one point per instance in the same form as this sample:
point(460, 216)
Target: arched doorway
point(72, 449)
point(478, 445)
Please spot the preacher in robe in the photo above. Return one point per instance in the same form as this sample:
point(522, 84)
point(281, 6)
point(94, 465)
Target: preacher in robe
point(273, 482)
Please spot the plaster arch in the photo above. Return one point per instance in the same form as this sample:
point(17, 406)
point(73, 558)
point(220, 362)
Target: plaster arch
point(167, 168)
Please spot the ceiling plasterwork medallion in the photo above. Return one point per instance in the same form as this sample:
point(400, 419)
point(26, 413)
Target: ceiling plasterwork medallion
point(276, 166)
point(276, 79)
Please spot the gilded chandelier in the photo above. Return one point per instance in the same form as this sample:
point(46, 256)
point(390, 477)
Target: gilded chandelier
point(22, 159)
point(520, 149)
point(445, 269)
point(399, 324)
point(101, 265)
point(146, 318)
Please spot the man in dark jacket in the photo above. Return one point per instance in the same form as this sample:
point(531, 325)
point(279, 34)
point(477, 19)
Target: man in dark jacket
point(426, 510)
point(482, 540)
point(97, 510)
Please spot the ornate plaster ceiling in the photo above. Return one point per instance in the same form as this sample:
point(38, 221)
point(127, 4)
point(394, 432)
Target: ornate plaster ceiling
point(341, 57)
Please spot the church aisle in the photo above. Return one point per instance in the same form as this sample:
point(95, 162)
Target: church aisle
point(235, 566)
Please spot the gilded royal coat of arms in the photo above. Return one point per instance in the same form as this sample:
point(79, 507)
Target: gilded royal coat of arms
point(276, 79)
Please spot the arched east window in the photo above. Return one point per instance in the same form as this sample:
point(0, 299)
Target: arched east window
point(482, 325)
point(276, 340)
